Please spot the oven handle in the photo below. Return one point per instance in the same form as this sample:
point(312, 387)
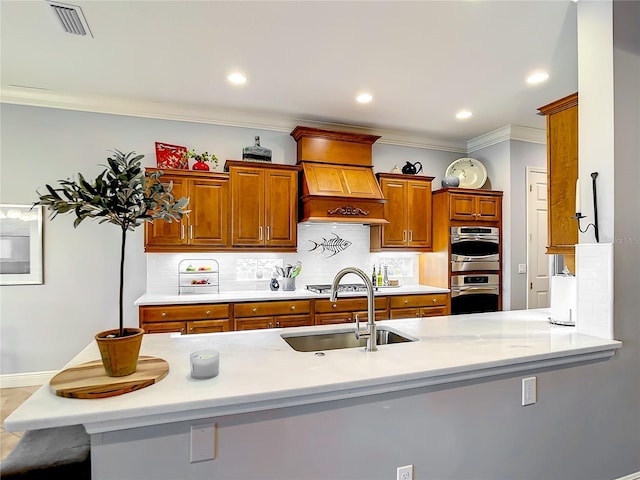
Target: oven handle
point(461, 291)
point(474, 238)
point(492, 257)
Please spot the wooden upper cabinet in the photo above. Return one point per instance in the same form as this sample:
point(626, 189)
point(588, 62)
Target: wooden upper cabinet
point(205, 227)
point(264, 203)
point(408, 210)
point(473, 207)
point(562, 173)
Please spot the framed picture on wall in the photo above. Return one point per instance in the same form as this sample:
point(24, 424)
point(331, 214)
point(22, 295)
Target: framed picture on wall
point(20, 244)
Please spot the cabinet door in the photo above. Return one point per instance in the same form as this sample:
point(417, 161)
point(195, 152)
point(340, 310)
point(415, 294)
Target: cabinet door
point(281, 207)
point(488, 208)
point(162, 232)
point(394, 234)
point(164, 327)
point(562, 168)
point(404, 313)
point(293, 321)
point(208, 326)
point(419, 214)
point(363, 316)
point(434, 311)
point(209, 216)
point(247, 206)
point(253, 323)
point(462, 207)
point(333, 318)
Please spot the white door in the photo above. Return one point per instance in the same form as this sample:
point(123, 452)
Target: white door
point(537, 260)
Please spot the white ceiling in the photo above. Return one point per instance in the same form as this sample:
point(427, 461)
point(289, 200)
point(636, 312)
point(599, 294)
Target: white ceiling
point(305, 60)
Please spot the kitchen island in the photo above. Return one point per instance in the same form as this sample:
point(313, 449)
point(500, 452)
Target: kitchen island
point(278, 411)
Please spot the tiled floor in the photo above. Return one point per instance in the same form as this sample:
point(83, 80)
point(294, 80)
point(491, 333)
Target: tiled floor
point(11, 398)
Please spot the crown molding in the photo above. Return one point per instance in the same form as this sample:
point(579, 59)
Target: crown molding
point(198, 114)
point(508, 132)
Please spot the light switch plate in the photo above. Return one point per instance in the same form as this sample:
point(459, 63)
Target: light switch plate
point(203, 442)
point(522, 268)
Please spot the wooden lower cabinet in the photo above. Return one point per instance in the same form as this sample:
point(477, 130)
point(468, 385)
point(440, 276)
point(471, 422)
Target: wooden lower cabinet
point(407, 306)
point(278, 314)
point(209, 318)
point(186, 319)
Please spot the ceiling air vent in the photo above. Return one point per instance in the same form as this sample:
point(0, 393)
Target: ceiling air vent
point(71, 18)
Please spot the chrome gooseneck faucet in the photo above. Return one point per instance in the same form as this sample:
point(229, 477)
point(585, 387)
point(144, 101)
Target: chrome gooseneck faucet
point(370, 332)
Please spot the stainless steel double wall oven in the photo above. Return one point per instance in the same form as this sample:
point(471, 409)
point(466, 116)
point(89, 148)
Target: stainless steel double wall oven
point(475, 268)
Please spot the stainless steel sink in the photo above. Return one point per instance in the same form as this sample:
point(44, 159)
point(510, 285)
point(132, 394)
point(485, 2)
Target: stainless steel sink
point(315, 342)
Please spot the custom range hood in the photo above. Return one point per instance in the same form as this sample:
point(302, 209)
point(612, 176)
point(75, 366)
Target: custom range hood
point(338, 184)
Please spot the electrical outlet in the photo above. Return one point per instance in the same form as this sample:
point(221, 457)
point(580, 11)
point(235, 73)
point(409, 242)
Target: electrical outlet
point(405, 473)
point(203, 442)
point(529, 396)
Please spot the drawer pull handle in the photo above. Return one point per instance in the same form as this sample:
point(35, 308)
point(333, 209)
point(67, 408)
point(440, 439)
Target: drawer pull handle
point(406, 301)
point(182, 331)
point(334, 306)
point(270, 324)
point(254, 310)
point(164, 314)
point(435, 300)
point(191, 330)
point(208, 312)
point(277, 324)
point(293, 307)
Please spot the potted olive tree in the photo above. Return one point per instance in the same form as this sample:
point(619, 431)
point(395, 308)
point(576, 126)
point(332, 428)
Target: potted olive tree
point(124, 196)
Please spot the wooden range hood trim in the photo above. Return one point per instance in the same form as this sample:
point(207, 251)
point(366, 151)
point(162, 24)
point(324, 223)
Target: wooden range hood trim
point(342, 210)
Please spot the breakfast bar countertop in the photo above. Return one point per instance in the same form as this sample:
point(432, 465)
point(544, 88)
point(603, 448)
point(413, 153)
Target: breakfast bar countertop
point(267, 295)
point(260, 371)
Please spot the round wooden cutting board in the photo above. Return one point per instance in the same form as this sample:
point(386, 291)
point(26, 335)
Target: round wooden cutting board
point(89, 380)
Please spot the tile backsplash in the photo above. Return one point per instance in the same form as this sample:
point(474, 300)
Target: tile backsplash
point(323, 249)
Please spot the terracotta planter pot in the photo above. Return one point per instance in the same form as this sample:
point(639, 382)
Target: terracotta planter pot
point(120, 354)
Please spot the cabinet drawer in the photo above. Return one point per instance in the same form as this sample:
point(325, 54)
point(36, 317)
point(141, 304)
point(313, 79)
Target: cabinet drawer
point(163, 313)
point(349, 305)
point(260, 309)
point(419, 300)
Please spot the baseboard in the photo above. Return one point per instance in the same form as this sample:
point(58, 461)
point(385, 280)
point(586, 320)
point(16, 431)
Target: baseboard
point(631, 476)
point(13, 380)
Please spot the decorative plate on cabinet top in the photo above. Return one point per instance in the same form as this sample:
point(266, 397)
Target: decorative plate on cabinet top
point(471, 172)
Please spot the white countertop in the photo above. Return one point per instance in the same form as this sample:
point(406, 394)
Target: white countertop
point(258, 369)
point(265, 295)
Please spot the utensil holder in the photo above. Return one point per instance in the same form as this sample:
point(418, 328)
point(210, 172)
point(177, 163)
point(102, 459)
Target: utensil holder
point(288, 284)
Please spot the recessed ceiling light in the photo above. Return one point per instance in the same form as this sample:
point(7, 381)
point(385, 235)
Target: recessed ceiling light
point(537, 78)
point(237, 78)
point(461, 115)
point(364, 98)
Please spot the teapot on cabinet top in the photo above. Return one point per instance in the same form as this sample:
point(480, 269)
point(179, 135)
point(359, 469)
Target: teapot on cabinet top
point(410, 168)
